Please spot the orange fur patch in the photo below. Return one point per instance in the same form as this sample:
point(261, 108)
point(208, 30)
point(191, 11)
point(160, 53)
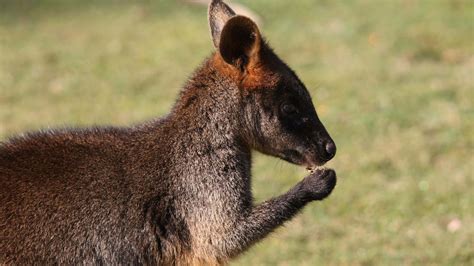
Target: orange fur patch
point(257, 74)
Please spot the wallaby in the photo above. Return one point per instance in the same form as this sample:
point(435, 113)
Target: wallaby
point(176, 190)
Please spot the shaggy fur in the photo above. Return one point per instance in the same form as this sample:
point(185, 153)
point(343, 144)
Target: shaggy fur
point(177, 190)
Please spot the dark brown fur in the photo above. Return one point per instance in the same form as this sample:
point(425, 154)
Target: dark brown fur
point(174, 191)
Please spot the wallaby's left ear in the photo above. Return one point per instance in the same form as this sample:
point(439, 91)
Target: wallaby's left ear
point(240, 42)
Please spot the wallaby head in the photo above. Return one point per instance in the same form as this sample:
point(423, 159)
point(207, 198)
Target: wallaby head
point(280, 118)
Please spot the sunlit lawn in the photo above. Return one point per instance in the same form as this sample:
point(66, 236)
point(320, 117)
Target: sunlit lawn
point(392, 81)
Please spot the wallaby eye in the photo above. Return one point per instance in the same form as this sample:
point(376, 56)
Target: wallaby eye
point(289, 109)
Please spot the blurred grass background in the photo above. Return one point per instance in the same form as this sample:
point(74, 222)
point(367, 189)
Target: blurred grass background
point(392, 81)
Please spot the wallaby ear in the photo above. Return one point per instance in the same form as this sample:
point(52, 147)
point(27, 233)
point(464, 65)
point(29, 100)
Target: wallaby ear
point(240, 41)
point(218, 14)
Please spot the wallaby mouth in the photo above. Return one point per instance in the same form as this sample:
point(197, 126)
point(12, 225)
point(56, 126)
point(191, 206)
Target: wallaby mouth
point(297, 157)
point(293, 156)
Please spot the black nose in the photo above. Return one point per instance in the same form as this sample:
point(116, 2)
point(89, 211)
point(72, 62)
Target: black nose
point(330, 149)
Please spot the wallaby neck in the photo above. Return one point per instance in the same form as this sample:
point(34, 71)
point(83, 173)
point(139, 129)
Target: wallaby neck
point(208, 114)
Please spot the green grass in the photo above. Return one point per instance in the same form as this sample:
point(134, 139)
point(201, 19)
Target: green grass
point(392, 82)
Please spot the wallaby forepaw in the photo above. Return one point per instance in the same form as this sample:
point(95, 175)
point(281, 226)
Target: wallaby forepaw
point(319, 184)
